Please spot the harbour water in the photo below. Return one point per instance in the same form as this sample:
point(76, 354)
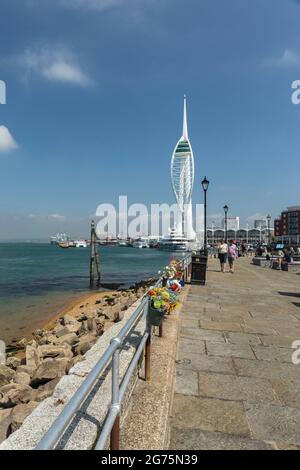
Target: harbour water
point(37, 280)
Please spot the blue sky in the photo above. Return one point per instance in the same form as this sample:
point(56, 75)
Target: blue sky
point(94, 106)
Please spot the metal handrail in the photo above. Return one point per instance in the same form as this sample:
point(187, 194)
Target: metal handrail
point(64, 419)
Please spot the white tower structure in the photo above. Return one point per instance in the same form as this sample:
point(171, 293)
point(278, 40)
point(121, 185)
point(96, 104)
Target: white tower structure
point(182, 175)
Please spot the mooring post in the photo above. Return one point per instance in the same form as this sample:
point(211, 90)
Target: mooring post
point(92, 255)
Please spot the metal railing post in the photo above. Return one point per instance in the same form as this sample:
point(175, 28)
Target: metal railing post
point(148, 347)
point(115, 398)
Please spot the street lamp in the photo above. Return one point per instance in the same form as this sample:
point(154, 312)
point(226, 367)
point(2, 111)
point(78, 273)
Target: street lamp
point(269, 228)
point(205, 184)
point(225, 212)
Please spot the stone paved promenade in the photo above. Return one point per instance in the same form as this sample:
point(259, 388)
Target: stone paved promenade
point(236, 386)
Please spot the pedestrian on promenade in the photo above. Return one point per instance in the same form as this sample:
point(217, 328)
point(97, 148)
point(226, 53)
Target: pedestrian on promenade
point(222, 254)
point(280, 258)
point(243, 249)
point(232, 255)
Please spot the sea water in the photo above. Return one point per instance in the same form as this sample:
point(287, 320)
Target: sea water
point(37, 280)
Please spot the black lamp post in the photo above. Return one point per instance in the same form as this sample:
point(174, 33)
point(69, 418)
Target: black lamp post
point(205, 184)
point(225, 212)
point(269, 229)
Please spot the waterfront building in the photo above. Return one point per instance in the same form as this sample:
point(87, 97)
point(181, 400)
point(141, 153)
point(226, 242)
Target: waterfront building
point(233, 223)
point(182, 177)
point(287, 226)
point(260, 223)
point(243, 235)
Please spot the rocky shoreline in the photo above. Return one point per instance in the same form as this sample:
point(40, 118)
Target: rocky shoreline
point(31, 373)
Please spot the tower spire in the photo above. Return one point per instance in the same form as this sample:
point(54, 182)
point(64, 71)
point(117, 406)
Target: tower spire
point(185, 134)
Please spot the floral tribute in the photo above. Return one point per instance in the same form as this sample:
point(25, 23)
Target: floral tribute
point(165, 298)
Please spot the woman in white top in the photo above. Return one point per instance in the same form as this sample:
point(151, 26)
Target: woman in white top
point(222, 254)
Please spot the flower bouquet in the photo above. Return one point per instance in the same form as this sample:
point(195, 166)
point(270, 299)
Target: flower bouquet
point(159, 305)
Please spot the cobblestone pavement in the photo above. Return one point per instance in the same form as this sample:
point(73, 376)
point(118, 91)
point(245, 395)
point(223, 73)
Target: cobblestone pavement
point(236, 386)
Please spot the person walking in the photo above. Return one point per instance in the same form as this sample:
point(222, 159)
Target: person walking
point(232, 255)
point(222, 254)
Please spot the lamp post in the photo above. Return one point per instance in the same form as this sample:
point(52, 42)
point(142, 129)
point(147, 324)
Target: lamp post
point(205, 184)
point(269, 229)
point(225, 219)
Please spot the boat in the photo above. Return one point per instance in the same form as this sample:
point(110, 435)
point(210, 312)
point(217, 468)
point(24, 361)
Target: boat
point(108, 241)
point(59, 238)
point(174, 242)
point(123, 243)
point(141, 242)
point(80, 244)
point(63, 244)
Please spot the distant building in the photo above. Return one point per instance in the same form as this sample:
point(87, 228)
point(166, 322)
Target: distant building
point(287, 226)
point(233, 223)
point(260, 223)
point(242, 235)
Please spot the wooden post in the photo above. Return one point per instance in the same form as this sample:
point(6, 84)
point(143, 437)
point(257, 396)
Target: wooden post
point(115, 435)
point(94, 257)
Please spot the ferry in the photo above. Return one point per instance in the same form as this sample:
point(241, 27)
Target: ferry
point(174, 242)
point(141, 242)
point(80, 244)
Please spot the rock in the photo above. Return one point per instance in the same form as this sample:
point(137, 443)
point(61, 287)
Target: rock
point(51, 339)
point(26, 369)
point(22, 343)
point(20, 412)
point(38, 333)
point(83, 328)
point(70, 339)
point(119, 316)
point(6, 375)
point(48, 370)
point(82, 318)
point(14, 394)
point(13, 362)
point(68, 320)
point(91, 324)
point(45, 391)
point(32, 357)
point(54, 351)
point(112, 313)
point(67, 329)
point(22, 378)
point(5, 422)
point(85, 343)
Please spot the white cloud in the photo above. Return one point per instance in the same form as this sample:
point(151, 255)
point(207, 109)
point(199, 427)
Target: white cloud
point(58, 217)
point(49, 217)
point(56, 64)
point(7, 142)
point(289, 58)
